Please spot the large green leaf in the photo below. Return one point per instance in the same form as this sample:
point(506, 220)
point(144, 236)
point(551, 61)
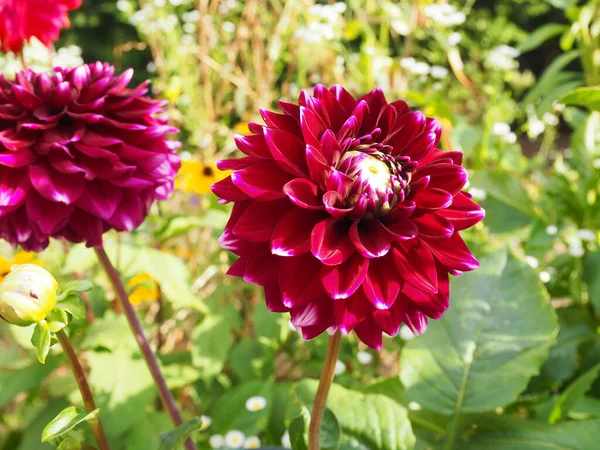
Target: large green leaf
point(11, 383)
point(505, 187)
point(372, 420)
point(65, 421)
point(573, 393)
point(123, 389)
point(507, 433)
point(541, 35)
point(171, 273)
point(591, 275)
point(584, 96)
point(483, 352)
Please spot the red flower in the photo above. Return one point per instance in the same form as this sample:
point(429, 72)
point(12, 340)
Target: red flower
point(348, 214)
point(80, 154)
point(20, 20)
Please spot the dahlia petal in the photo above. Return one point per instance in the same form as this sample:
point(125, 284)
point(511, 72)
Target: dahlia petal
point(312, 127)
point(299, 280)
point(453, 253)
point(351, 311)
point(273, 299)
point(432, 199)
point(262, 181)
point(237, 163)
point(13, 188)
point(311, 332)
point(407, 127)
point(287, 151)
point(313, 313)
point(27, 99)
point(318, 168)
point(368, 332)
point(335, 110)
point(329, 242)
point(433, 305)
point(262, 267)
point(417, 265)
point(421, 146)
point(400, 106)
point(100, 198)
point(376, 102)
point(448, 177)
point(290, 109)
point(382, 283)
point(463, 213)
point(281, 121)
point(303, 193)
point(330, 148)
point(343, 280)
point(292, 235)
point(47, 216)
point(416, 321)
point(20, 158)
point(390, 320)
point(387, 120)
point(238, 268)
point(370, 238)
point(339, 182)
point(227, 191)
point(258, 221)
point(54, 186)
point(129, 214)
point(344, 98)
point(402, 229)
point(434, 226)
point(437, 156)
point(333, 202)
point(88, 227)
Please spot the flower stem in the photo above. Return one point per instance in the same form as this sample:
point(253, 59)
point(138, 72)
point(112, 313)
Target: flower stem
point(165, 395)
point(84, 388)
point(327, 375)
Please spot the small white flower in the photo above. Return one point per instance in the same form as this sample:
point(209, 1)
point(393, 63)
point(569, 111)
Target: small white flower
point(340, 367)
point(551, 230)
point(454, 38)
point(364, 358)
point(536, 127)
point(576, 251)
point(420, 68)
point(285, 440)
point(550, 119)
point(252, 442)
point(206, 422)
point(532, 261)
point(228, 27)
point(439, 72)
point(414, 406)
point(216, 441)
point(160, 3)
point(545, 276)
point(510, 138)
point(406, 333)
point(407, 63)
point(235, 439)
point(586, 235)
point(500, 128)
point(558, 106)
point(256, 403)
point(478, 194)
point(189, 27)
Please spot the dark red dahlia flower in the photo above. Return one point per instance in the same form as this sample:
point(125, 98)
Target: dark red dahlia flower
point(20, 20)
point(80, 154)
point(348, 214)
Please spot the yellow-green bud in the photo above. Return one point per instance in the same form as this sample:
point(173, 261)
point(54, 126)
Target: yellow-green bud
point(27, 295)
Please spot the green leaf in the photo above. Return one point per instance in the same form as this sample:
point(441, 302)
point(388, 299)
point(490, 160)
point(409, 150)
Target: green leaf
point(230, 412)
point(174, 439)
point(57, 320)
point(41, 341)
point(74, 286)
point(494, 432)
point(505, 187)
point(212, 340)
point(299, 432)
point(588, 97)
point(541, 35)
point(575, 392)
point(66, 420)
point(550, 77)
point(146, 433)
point(111, 332)
point(330, 435)
point(591, 269)
point(481, 354)
point(374, 420)
point(12, 383)
point(180, 225)
point(71, 443)
point(33, 431)
point(74, 306)
point(123, 389)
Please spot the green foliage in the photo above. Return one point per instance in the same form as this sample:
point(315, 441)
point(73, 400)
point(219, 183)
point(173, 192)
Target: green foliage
point(66, 421)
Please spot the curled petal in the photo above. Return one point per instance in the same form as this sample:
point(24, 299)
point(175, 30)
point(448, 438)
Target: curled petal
point(370, 238)
point(292, 235)
point(343, 280)
point(304, 193)
point(262, 181)
point(330, 243)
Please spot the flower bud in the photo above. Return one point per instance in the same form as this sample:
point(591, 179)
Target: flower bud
point(27, 295)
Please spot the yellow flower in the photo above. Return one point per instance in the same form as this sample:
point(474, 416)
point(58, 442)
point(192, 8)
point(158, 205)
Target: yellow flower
point(197, 177)
point(18, 259)
point(144, 288)
point(242, 128)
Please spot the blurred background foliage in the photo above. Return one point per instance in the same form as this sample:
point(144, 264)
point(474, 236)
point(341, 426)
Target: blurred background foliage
point(515, 83)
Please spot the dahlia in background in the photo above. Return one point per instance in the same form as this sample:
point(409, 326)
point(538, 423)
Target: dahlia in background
point(348, 214)
point(20, 20)
point(80, 154)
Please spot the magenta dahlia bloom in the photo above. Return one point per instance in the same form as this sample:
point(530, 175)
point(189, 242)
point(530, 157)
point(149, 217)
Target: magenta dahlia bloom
point(20, 20)
point(80, 154)
point(348, 214)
